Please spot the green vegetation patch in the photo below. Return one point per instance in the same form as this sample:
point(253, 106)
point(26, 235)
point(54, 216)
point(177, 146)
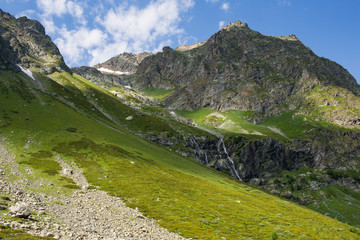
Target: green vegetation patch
point(48, 166)
point(340, 203)
point(157, 93)
point(8, 233)
point(180, 194)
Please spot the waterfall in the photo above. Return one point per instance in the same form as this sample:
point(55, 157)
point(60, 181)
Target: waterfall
point(231, 162)
point(206, 158)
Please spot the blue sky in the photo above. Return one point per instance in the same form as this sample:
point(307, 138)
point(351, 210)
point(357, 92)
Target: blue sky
point(91, 31)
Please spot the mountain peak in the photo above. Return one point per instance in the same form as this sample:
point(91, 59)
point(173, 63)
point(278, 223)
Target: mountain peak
point(25, 42)
point(238, 24)
point(124, 63)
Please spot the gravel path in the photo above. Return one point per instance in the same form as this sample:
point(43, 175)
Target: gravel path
point(87, 214)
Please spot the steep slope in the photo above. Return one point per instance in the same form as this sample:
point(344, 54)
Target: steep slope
point(61, 119)
point(288, 118)
point(125, 63)
point(241, 69)
point(39, 129)
point(103, 80)
point(24, 42)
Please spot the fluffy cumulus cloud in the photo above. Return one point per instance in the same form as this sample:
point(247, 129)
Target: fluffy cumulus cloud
point(74, 44)
point(221, 24)
point(61, 7)
point(112, 27)
point(225, 6)
point(136, 29)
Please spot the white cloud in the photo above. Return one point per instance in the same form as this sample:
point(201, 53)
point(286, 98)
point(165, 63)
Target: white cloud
point(28, 13)
point(212, 1)
point(284, 3)
point(136, 29)
point(112, 27)
point(49, 24)
point(221, 24)
point(74, 43)
point(61, 7)
point(225, 6)
point(52, 7)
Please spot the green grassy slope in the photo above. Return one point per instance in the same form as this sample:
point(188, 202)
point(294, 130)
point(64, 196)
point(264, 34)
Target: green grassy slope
point(286, 126)
point(8, 233)
point(182, 195)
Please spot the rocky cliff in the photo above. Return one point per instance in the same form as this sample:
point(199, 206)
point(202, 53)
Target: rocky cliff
point(124, 63)
point(24, 41)
point(103, 80)
point(239, 68)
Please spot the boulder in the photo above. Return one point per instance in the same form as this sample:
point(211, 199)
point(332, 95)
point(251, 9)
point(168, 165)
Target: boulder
point(20, 210)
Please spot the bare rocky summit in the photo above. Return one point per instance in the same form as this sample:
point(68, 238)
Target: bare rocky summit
point(125, 62)
point(241, 69)
point(24, 41)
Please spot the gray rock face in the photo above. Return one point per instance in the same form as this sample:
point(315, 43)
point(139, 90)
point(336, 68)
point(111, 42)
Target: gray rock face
point(103, 80)
point(20, 210)
point(23, 41)
point(125, 62)
point(241, 69)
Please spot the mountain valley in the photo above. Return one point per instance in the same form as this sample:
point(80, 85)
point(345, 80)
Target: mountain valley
point(243, 132)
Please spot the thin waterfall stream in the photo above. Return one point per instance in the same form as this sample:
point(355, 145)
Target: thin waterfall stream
point(232, 164)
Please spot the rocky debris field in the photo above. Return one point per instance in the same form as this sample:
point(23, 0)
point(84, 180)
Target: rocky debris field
point(87, 214)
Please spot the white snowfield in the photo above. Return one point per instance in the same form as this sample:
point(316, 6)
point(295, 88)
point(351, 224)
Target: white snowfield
point(26, 71)
point(105, 70)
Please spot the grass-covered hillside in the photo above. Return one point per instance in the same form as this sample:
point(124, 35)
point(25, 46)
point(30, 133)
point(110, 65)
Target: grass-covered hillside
point(87, 126)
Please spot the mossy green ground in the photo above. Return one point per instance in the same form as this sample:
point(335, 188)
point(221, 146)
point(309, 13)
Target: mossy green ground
point(284, 127)
point(182, 195)
point(157, 93)
point(339, 202)
point(11, 234)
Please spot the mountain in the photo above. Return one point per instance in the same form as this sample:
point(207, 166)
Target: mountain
point(24, 42)
point(241, 69)
point(76, 153)
point(289, 119)
point(125, 63)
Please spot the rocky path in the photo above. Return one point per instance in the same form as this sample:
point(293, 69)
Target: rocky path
point(87, 214)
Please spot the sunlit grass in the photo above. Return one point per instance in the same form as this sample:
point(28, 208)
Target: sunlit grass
point(182, 195)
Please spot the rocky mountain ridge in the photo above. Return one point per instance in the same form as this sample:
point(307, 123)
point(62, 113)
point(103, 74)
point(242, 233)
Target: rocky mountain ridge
point(25, 42)
point(125, 63)
point(241, 69)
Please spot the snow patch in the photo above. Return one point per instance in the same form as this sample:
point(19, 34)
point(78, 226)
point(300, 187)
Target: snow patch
point(27, 72)
point(128, 87)
point(106, 70)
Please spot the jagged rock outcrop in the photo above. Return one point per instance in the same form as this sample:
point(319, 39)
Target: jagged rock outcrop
point(24, 41)
point(103, 80)
point(125, 62)
point(241, 69)
point(329, 158)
